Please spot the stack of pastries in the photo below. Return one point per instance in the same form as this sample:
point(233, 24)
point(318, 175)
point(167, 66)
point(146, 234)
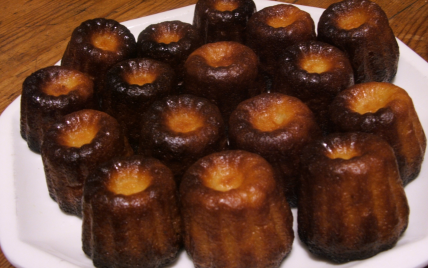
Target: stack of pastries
point(205, 136)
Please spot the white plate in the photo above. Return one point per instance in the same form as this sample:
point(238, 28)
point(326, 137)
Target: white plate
point(35, 233)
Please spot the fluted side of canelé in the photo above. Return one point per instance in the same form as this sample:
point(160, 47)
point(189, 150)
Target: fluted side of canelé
point(66, 167)
point(131, 87)
point(96, 45)
point(170, 42)
point(220, 20)
point(178, 130)
point(315, 72)
point(370, 44)
point(388, 111)
point(142, 229)
point(48, 94)
point(271, 30)
point(277, 127)
point(236, 217)
point(223, 72)
point(352, 204)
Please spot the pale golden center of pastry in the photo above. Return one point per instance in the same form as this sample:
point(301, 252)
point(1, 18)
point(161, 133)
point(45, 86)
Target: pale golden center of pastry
point(128, 181)
point(62, 85)
point(280, 21)
point(315, 64)
point(274, 116)
point(168, 37)
point(79, 136)
point(105, 41)
point(353, 19)
point(374, 96)
point(140, 78)
point(220, 54)
point(226, 5)
point(343, 152)
point(223, 177)
point(184, 120)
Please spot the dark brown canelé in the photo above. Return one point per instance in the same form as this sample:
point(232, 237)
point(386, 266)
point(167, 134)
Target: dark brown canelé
point(179, 130)
point(277, 127)
point(273, 29)
point(130, 214)
point(48, 94)
point(72, 147)
point(131, 87)
point(170, 42)
point(223, 72)
point(361, 29)
point(352, 204)
point(222, 20)
point(234, 213)
point(385, 110)
point(96, 45)
point(314, 72)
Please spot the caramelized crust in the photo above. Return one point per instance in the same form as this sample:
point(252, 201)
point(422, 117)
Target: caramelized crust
point(234, 214)
point(130, 214)
point(222, 20)
point(47, 95)
point(223, 72)
point(277, 127)
point(179, 130)
point(361, 29)
point(131, 87)
point(314, 72)
point(271, 30)
point(96, 45)
point(387, 111)
point(72, 147)
point(352, 204)
point(170, 42)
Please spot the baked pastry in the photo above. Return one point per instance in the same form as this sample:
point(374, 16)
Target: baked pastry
point(130, 214)
point(277, 127)
point(179, 130)
point(222, 20)
point(271, 30)
point(386, 110)
point(96, 45)
point(352, 204)
point(361, 29)
point(73, 147)
point(48, 94)
point(234, 213)
point(131, 87)
point(314, 72)
point(223, 72)
point(170, 42)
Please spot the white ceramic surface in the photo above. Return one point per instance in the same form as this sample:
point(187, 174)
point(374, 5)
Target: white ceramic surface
point(35, 233)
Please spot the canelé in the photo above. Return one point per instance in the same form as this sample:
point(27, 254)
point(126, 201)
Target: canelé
point(222, 20)
point(234, 213)
point(315, 72)
point(386, 110)
point(131, 87)
point(277, 127)
point(170, 42)
point(179, 130)
point(96, 45)
point(73, 147)
point(49, 94)
point(352, 204)
point(361, 29)
point(130, 214)
point(223, 72)
point(273, 29)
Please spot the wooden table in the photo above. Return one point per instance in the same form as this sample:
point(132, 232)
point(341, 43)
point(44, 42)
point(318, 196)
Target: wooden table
point(34, 34)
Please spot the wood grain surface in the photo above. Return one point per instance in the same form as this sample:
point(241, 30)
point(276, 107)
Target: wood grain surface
point(34, 34)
